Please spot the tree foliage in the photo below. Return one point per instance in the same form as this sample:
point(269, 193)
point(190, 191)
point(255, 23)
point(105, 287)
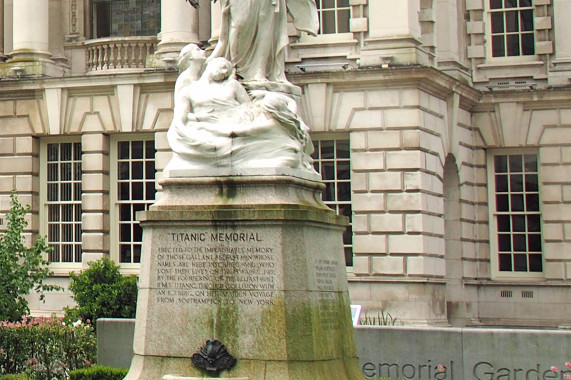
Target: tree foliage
point(21, 269)
point(102, 292)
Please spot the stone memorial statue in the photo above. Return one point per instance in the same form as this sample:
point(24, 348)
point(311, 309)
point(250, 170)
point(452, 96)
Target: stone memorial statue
point(254, 37)
point(218, 124)
point(242, 268)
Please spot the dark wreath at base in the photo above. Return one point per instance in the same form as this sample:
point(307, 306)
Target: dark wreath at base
point(213, 357)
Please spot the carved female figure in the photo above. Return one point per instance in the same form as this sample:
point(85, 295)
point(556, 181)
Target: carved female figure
point(217, 124)
point(253, 35)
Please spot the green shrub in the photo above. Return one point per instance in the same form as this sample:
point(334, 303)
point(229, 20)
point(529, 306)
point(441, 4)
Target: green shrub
point(102, 292)
point(45, 348)
point(22, 269)
point(98, 372)
point(18, 376)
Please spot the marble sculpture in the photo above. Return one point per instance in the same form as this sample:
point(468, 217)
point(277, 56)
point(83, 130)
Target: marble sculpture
point(235, 109)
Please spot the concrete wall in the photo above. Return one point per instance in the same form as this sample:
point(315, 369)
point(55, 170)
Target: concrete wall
point(115, 341)
point(465, 353)
point(416, 352)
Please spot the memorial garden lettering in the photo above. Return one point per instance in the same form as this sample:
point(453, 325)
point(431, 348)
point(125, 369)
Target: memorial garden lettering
point(215, 267)
point(428, 370)
point(482, 370)
point(488, 371)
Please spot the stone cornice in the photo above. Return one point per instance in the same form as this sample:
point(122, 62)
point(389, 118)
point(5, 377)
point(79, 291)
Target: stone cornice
point(428, 79)
point(158, 81)
point(531, 99)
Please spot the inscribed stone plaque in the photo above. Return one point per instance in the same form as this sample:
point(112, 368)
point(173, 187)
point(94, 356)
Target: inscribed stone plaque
point(239, 264)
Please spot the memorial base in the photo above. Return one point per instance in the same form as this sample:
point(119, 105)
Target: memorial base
point(175, 377)
point(256, 263)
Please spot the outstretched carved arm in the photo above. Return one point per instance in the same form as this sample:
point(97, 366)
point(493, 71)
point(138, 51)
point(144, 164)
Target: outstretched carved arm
point(195, 3)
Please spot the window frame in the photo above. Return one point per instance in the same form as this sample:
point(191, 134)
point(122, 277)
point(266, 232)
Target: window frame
point(93, 16)
point(114, 213)
point(329, 37)
point(59, 268)
point(336, 9)
point(488, 37)
point(493, 220)
point(335, 138)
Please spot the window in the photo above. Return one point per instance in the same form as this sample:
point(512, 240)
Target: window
point(334, 16)
point(332, 161)
point(134, 191)
point(62, 202)
point(516, 222)
point(512, 32)
point(120, 18)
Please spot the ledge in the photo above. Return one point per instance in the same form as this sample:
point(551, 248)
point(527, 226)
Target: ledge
point(510, 64)
point(514, 283)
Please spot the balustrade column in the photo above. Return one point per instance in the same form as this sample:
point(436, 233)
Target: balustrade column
point(179, 26)
point(31, 30)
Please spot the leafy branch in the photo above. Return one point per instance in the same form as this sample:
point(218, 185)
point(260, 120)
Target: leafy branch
point(22, 269)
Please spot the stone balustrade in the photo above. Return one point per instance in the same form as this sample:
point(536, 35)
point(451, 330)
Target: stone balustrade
point(118, 53)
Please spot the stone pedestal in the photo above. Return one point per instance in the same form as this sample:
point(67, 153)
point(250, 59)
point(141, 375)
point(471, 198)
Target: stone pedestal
point(255, 262)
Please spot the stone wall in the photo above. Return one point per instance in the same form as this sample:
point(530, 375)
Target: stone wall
point(462, 353)
point(511, 122)
point(419, 147)
point(416, 353)
point(404, 126)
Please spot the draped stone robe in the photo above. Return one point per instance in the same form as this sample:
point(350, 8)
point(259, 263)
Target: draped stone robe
point(254, 35)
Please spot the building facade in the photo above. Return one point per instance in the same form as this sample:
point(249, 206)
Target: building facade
point(441, 127)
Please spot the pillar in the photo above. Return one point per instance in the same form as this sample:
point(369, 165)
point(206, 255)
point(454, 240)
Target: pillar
point(215, 23)
point(2, 30)
point(394, 34)
point(450, 40)
point(448, 30)
point(95, 200)
point(179, 26)
point(31, 30)
point(389, 19)
point(562, 13)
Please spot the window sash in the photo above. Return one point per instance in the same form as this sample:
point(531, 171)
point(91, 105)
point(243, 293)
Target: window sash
point(124, 18)
point(62, 201)
point(334, 16)
point(132, 190)
point(515, 215)
point(511, 28)
point(332, 160)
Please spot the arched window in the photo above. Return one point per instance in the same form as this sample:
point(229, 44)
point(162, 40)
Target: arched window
point(122, 18)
